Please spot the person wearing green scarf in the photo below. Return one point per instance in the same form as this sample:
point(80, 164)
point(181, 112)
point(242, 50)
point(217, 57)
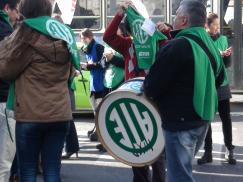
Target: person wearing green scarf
point(224, 96)
point(38, 58)
point(8, 17)
point(183, 82)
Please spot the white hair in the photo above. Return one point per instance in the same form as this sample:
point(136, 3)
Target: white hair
point(195, 11)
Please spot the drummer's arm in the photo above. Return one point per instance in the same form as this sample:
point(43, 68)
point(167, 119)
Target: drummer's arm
point(163, 73)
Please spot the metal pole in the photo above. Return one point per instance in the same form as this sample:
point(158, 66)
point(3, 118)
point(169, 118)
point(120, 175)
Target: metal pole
point(221, 15)
point(237, 49)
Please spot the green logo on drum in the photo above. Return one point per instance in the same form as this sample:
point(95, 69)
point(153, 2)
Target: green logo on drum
point(131, 126)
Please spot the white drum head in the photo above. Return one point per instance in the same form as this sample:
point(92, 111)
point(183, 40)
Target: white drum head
point(129, 127)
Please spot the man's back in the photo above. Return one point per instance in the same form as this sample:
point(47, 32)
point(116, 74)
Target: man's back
point(174, 92)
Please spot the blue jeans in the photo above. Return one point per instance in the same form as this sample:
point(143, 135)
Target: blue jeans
point(33, 139)
point(181, 147)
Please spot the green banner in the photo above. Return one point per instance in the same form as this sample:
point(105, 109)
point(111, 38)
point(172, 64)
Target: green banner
point(146, 46)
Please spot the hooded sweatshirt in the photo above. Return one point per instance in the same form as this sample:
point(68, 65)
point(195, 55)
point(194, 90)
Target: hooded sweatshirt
point(41, 68)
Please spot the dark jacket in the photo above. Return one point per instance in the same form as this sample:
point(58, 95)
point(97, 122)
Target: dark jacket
point(5, 30)
point(41, 68)
point(117, 61)
point(171, 85)
point(99, 51)
point(94, 54)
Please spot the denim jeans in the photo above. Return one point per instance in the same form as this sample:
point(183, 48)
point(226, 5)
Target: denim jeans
point(7, 142)
point(46, 139)
point(181, 147)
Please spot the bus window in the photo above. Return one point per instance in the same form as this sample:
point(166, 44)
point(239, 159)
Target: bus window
point(156, 9)
point(112, 6)
point(87, 15)
point(228, 24)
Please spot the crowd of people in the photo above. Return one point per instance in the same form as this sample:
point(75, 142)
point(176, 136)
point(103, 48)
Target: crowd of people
point(187, 80)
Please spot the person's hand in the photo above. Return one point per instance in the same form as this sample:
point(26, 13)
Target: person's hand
point(227, 52)
point(123, 7)
point(84, 65)
point(109, 56)
point(90, 62)
point(162, 27)
point(77, 73)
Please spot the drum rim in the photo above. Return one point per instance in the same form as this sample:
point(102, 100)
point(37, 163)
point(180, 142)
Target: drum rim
point(104, 144)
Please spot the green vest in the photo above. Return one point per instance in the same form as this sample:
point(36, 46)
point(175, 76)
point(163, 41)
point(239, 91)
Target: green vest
point(205, 99)
point(146, 46)
point(113, 75)
point(222, 44)
point(54, 29)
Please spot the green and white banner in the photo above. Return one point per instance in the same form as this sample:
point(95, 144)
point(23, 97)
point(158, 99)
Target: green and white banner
point(145, 42)
point(129, 126)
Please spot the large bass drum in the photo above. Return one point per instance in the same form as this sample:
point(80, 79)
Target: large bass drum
point(129, 125)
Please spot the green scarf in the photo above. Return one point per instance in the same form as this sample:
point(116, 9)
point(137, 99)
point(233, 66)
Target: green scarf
point(222, 44)
point(205, 99)
point(54, 29)
point(5, 17)
point(146, 46)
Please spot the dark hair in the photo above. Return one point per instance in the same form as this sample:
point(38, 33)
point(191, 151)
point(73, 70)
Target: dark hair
point(126, 25)
point(12, 3)
point(196, 12)
point(211, 17)
point(123, 29)
point(87, 33)
point(35, 8)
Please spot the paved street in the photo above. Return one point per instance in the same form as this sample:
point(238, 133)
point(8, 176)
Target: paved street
point(93, 166)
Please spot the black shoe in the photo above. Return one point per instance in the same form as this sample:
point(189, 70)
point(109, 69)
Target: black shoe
point(93, 137)
point(91, 131)
point(101, 148)
point(14, 178)
point(69, 154)
point(206, 158)
point(229, 156)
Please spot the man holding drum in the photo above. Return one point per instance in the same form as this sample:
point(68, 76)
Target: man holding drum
point(125, 46)
point(183, 82)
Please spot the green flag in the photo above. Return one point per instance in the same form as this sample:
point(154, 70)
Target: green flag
point(146, 46)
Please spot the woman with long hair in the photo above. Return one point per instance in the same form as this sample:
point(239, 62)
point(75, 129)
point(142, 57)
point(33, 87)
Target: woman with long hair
point(38, 59)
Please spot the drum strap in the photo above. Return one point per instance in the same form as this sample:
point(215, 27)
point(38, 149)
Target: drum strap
point(211, 58)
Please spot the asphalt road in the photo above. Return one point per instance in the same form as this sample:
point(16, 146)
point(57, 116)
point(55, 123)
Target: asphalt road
point(93, 166)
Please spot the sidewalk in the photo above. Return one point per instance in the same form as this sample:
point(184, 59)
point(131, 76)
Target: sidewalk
point(236, 99)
